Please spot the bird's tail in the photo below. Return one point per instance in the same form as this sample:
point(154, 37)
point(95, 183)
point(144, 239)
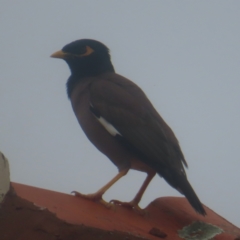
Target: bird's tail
point(186, 189)
point(181, 183)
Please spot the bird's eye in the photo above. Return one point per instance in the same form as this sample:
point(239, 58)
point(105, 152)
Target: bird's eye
point(81, 51)
point(88, 51)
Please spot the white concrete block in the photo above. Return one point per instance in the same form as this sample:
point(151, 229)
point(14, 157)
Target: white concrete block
point(4, 176)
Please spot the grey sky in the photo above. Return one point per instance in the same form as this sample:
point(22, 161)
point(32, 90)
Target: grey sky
point(185, 55)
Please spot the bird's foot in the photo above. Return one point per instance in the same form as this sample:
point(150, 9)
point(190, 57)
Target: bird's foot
point(95, 197)
point(133, 205)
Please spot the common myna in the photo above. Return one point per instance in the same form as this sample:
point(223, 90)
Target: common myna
point(121, 122)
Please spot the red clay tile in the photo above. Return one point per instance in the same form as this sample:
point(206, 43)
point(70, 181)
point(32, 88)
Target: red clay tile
point(164, 216)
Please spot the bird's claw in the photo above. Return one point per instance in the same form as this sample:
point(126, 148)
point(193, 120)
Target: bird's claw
point(131, 205)
point(92, 197)
point(95, 197)
point(123, 204)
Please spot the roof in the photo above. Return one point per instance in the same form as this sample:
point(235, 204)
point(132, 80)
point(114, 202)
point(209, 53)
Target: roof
point(167, 217)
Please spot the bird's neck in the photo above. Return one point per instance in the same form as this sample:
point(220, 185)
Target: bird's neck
point(78, 75)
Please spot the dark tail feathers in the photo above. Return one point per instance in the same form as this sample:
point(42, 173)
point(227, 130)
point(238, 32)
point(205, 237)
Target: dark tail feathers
point(181, 183)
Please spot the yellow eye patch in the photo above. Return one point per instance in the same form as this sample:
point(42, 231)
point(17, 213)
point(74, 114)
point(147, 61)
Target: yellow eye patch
point(88, 52)
point(65, 55)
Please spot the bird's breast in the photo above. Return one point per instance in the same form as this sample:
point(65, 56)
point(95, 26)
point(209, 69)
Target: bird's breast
point(94, 129)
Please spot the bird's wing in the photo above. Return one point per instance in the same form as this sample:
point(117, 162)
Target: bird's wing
point(124, 105)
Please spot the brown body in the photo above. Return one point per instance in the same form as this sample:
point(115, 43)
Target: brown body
point(121, 122)
point(93, 129)
point(83, 95)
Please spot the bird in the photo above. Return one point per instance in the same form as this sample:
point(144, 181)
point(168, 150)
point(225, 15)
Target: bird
point(119, 119)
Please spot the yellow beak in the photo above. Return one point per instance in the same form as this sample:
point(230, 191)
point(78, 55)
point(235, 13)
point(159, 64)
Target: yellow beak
point(60, 54)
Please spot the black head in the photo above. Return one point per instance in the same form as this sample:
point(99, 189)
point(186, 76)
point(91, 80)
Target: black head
point(85, 58)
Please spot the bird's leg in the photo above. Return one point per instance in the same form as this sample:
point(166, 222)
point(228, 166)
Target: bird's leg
point(97, 196)
point(134, 203)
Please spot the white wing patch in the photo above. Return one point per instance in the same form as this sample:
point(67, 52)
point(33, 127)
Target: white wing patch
point(108, 126)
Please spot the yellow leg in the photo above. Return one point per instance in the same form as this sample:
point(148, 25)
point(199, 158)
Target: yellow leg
point(144, 186)
point(134, 203)
point(97, 196)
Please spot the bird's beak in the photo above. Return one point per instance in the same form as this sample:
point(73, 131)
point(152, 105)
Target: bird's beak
point(60, 54)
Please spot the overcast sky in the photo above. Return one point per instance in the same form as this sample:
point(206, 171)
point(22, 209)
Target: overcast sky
point(185, 55)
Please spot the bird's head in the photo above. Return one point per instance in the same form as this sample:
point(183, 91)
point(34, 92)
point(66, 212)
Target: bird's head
point(86, 57)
